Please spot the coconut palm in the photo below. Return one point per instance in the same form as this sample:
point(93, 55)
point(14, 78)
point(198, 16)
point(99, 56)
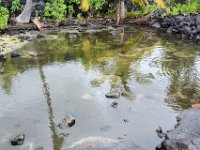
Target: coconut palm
point(85, 4)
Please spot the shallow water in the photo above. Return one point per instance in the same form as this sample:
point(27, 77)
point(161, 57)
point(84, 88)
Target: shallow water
point(158, 77)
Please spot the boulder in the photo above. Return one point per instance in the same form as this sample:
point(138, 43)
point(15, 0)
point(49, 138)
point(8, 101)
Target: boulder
point(186, 134)
point(103, 143)
point(112, 95)
point(68, 121)
point(18, 140)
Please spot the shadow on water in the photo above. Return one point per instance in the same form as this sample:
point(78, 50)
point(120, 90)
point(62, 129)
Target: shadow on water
point(57, 141)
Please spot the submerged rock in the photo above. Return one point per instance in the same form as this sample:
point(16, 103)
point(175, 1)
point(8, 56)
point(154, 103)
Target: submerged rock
point(23, 38)
point(15, 54)
point(103, 143)
point(33, 54)
point(68, 121)
point(39, 36)
point(113, 95)
point(114, 104)
point(2, 58)
point(39, 148)
point(18, 140)
point(1, 70)
point(106, 128)
point(186, 134)
point(115, 81)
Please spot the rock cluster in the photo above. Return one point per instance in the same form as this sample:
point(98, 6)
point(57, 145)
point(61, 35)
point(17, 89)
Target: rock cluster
point(187, 26)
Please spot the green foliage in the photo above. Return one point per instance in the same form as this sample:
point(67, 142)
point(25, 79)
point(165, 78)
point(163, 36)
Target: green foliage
point(97, 4)
point(55, 10)
point(37, 14)
point(111, 10)
point(142, 12)
point(192, 8)
point(4, 15)
point(16, 6)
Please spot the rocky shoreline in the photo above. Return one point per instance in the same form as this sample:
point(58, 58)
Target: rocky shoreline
point(183, 26)
point(185, 135)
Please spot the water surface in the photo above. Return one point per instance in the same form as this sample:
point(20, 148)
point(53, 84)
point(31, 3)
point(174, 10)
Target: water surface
point(158, 78)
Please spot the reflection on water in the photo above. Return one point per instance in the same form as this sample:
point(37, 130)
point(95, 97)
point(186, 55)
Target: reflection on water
point(72, 73)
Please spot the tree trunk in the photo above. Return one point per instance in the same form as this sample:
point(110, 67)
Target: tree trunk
point(25, 16)
point(120, 11)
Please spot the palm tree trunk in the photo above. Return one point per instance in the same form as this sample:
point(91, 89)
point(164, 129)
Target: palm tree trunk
point(120, 12)
point(25, 16)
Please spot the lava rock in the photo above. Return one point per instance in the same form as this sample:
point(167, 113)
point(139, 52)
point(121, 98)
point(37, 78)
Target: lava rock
point(113, 95)
point(15, 54)
point(18, 140)
point(166, 22)
point(186, 135)
point(68, 121)
point(160, 132)
point(23, 38)
point(156, 25)
point(186, 26)
point(179, 19)
point(39, 36)
point(2, 58)
point(198, 20)
point(33, 54)
point(114, 104)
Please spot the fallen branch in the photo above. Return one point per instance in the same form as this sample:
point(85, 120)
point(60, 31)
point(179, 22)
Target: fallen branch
point(143, 20)
point(39, 25)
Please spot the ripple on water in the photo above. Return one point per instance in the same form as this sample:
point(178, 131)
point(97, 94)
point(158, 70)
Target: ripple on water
point(183, 54)
point(165, 71)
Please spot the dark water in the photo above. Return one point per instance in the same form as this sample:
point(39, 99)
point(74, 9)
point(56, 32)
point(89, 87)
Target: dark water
point(158, 77)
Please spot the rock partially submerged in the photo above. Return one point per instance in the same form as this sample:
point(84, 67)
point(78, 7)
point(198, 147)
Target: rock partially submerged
point(186, 134)
point(114, 94)
point(102, 143)
point(68, 121)
point(2, 58)
point(160, 133)
point(15, 54)
point(18, 140)
point(114, 104)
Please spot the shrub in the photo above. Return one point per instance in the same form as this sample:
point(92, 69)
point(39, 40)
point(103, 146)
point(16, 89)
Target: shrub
point(4, 15)
point(16, 6)
point(55, 10)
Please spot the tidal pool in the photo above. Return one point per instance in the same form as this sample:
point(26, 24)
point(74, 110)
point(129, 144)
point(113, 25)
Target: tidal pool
point(157, 76)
